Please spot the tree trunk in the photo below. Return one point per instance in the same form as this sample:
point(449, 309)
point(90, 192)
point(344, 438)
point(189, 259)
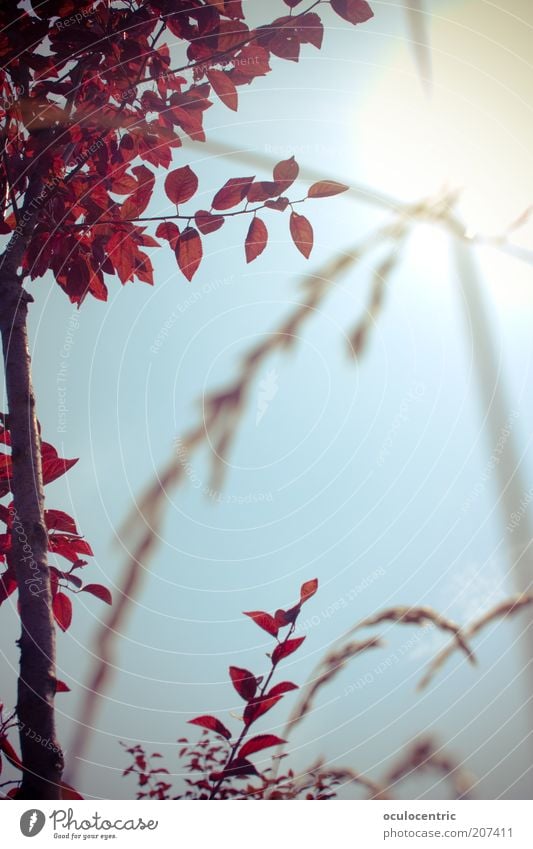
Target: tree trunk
point(41, 754)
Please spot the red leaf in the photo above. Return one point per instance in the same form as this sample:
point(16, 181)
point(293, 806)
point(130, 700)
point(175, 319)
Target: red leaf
point(287, 617)
point(181, 184)
point(61, 687)
point(262, 190)
point(10, 753)
point(244, 682)
point(207, 222)
point(239, 767)
point(252, 61)
point(212, 724)
point(311, 29)
point(230, 35)
point(73, 579)
point(285, 44)
point(255, 709)
point(232, 193)
point(285, 173)
point(302, 233)
point(53, 465)
point(326, 189)
point(169, 231)
point(308, 589)
point(264, 620)
point(123, 253)
point(281, 688)
point(8, 585)
point(140, 198)
point(189, 252)
point(62, 609)
point(123, 184)
point(69, 547)
point(99, 591)
point(280, 204)
point(256, 240)
point(354, 11)
point(224, 87)
point(285, 649)
point(56, 520)
point(256, 744)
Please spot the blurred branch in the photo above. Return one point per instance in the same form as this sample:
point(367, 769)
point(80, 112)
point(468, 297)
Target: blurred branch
point(417, 616)
point(422, 756)
point(321, 774)
point(501, 611)
point(417, 23)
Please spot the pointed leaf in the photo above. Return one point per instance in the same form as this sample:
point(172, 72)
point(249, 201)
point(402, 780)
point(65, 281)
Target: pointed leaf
point(239, 768)
point(311, 29)
point(280, 204)
point(308, 589)
point(264, 620)
point(181, 184)
point(263, 190)
point(285, 649)
point(252, 62)
point(56, 520)
point(189, 252)
point(140, 198)
point(285, 173)
point(257, 744)
point(10, 753)
point(207, 222)
point(326, 189)
point(302, 233)
point(281, 688)
point(244, 682)
point(212, 724)
point(354, 11)
point(257, 708)
point(53, 465)
point(169, 231)
point(99, 591)
point(232, 193)
point(68, 546)
point(224, 87)
point(256, 239)
point(62, 610)
point(287, 617)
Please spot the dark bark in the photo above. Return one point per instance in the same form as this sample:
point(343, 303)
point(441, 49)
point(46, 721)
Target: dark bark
point(41, 754)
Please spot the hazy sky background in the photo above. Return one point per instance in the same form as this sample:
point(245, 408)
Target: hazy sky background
point(323, 504)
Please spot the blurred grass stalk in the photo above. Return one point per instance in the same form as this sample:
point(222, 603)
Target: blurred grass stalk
point(496, 411)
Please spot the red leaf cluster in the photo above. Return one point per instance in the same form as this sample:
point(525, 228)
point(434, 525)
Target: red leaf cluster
point(64, 539)
point(259, 696)
point(102, 110)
